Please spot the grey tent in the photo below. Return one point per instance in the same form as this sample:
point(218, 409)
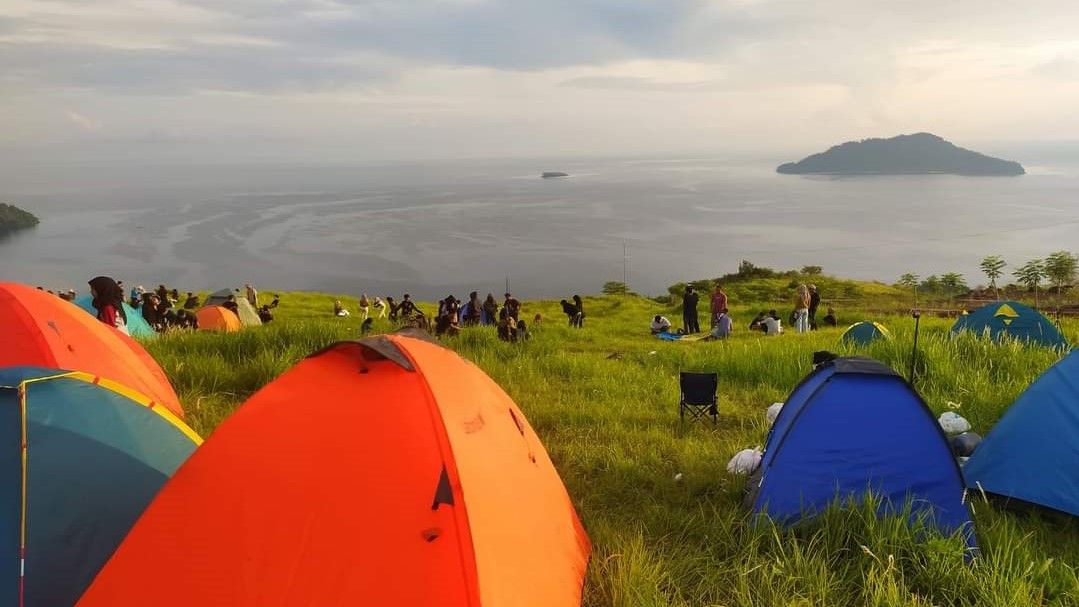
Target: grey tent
point(249, 316)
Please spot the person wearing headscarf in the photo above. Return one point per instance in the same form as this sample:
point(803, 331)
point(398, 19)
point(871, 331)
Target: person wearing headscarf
point(108, 300)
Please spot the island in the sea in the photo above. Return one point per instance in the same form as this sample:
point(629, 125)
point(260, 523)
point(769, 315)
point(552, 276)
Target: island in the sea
point(12, 218)
point(550, 174)
point(920, 153)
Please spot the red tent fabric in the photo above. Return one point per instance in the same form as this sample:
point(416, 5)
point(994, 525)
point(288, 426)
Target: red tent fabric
point(42, 330)
point(383, 472)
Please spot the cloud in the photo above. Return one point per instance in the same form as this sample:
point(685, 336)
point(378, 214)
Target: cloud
point(86, 124)
point(1058, 69)
point(533, 76)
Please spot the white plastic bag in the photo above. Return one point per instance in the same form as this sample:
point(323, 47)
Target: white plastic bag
point(773, 412)
point(745, 461)
point(953, 423)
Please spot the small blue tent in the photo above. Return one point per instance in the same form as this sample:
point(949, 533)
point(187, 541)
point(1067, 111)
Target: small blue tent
point(854, 426)
point(1032, 454)
point(136, 324)
point(864, 333)
point(94, 453)
point(1011, 319)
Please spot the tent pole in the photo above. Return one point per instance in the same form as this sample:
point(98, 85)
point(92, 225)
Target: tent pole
point(914, 354)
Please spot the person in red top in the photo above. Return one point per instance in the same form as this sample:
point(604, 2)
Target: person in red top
point(109, 302)
point(719, 304)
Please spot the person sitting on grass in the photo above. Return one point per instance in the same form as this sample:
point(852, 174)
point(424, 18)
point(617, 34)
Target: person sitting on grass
point(365, 326)
point(507, 326)
point(191, 302)
point(447, 324)
point(230, 305)
point(724, 325)
point(265, 315)
point(339, 310)
point(522, 333)
point(830, 320)
point(660, 324)
point(758, 322)
point(772, 324)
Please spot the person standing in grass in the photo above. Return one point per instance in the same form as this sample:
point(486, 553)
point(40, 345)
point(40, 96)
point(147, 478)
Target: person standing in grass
point(252, 295)
point(475, 310)
point(801, 309)
point(719, 303)
point(109, 302)
point(578, 320)
point(393, 308)
point(365, 307)
point(690, 320)
point(570, 311)
point(380, 306)
point(407, 307)
point(814, 303)
point(490, 310)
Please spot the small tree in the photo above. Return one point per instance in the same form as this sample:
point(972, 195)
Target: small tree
point(615, 288)
point(1060, 268)
point(1031, 274)
point(953, 284)
point(993, 267)
point(930, 284)
point(910, 281)
point(812, 270)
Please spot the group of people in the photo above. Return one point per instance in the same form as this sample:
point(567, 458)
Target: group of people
point(162, 309)
point(803, 318)
point(454, 314)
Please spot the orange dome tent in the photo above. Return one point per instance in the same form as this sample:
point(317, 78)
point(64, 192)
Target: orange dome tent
point(43, 330)
point(216, 318)
point(387, 471)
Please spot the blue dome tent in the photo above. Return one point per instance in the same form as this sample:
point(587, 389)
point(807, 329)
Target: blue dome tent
point(864, 333)
point(854, 426)
point(1011, 319)
point(94, 453)
point(136, 324)
point(1032, 453)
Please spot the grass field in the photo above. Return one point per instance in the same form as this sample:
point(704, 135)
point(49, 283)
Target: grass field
point(604, 400)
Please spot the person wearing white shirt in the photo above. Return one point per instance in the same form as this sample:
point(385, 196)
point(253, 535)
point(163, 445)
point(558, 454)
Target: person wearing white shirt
point(772, 324)
point(660, 324)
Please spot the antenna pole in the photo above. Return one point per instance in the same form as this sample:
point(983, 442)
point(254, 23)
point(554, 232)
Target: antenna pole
point(914, 354)
point(625, 265)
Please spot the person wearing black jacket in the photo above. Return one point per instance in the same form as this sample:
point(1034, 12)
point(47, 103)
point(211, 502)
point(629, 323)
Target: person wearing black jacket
point(690, 319)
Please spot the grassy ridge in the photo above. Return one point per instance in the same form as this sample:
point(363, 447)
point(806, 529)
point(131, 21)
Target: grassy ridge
point(604, 399)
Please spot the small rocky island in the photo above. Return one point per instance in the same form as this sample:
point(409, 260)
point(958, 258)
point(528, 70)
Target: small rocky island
point(921, 153)
point(12, 219)
point(551, 174)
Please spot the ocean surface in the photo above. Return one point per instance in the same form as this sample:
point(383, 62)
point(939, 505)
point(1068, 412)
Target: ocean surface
point(437, 228)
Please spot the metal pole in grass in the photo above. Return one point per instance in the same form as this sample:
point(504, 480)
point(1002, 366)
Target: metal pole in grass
point(914, 354)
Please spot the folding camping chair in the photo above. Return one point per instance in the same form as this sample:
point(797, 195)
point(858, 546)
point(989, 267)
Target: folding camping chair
point(698, 396)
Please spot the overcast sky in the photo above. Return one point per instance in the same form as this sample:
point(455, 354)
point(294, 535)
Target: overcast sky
point(236, 80)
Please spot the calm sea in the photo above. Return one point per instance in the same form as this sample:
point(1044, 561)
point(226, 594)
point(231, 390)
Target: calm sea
point(453, 227)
